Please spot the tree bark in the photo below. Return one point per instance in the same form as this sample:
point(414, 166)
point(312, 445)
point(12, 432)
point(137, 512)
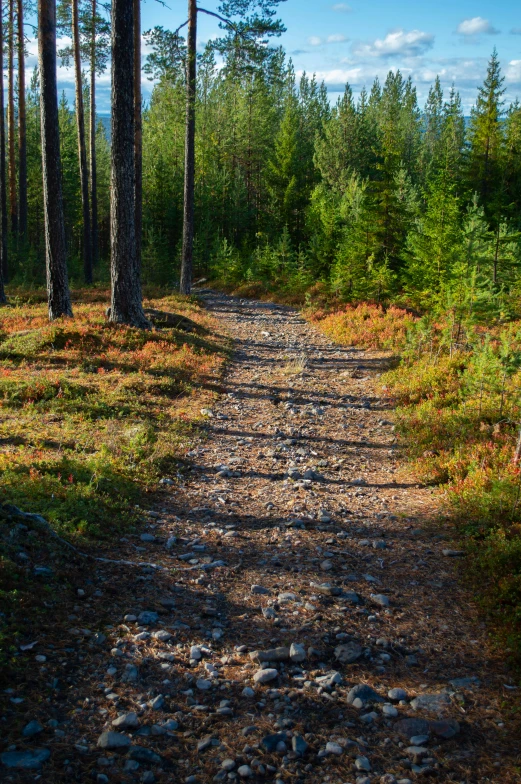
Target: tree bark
point(93, 170)
point(13, 209)
point(185, 285)
point(3, 183)
point(58, 294)
point(82, 150)
point(138, 130)
point(126, 305)
point(22, 131)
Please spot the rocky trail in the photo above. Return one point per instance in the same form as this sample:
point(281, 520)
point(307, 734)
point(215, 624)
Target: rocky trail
point(302, 619)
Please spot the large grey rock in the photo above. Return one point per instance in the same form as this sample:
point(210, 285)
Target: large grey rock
point(25, 760)
point(271, 742)
point(411, 727)
point(380, 599)
point(162, 635)
point(127, 721)
point(364, 693)
point(33, 728)
point(397, 694)
point(298, 744)
point(272, 655)
point(113, 740)
point(265, 676)
point(297, 652)
point(348, 652)
point(329, 679)
point(147, 756)
point(147, 618)
point(259, 590)
point(445, 729)
point(362, 763)
point(334, 748)
point(436, 703)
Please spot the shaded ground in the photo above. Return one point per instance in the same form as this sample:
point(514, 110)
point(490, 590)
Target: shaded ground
point(322, 548)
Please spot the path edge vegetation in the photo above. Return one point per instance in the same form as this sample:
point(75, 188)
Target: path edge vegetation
point(455, 387)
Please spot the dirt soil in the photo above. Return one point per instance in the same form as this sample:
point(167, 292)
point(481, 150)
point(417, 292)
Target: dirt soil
point(295, 558)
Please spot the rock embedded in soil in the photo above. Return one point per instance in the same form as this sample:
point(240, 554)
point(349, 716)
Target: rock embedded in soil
point(348, 652)
point(299, 745)
point(146, 756)
point(410, 727)
point(396, 695)
point(380, 600)
point(31, 759)
point(334, 748)
point(271, 742)
point(362, 763)
point(33, 728)
point(113, 740)
point(365, 693)
point(280, 654)
point(436, 703)
point(147, 618)
point(127, 721)
point(260, 591)
point(265, 676)
point(297, 653)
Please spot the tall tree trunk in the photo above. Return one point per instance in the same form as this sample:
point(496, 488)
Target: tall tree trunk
point(58, 294)
point(13, 210)
point(93, 170)
point(22, 130)
point(3, 184)
point(82, 150)
point(126, 305)
point(188, 207)
point(138, 129)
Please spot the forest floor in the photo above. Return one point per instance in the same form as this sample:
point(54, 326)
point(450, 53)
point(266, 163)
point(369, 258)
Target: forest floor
point(297, 575)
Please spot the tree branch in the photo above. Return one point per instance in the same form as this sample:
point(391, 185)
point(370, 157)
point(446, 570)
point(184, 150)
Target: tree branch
point(221, 19)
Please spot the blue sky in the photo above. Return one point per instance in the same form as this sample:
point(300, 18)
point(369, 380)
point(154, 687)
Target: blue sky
point(355, 41)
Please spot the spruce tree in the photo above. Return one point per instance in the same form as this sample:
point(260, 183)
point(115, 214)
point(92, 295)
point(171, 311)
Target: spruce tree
point(486, 141)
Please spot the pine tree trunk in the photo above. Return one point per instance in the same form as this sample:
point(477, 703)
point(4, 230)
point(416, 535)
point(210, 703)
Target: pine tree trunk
point(93, 171)
point(82, 150)
point(13, 209)
point(55, 246)
point(22, 131)
point(126, 305)
point(3, 183)
point(138, 129)
point(188, 207)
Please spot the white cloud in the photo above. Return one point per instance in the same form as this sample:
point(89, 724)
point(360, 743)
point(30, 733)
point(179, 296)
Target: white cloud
point(476, 26)
point(336, 38)
point(398, 42)
point(515, 31)
point(513, 72)
point(342, 8)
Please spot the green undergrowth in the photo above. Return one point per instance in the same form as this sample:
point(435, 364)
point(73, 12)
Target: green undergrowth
point(92, 415)
point(457, 391)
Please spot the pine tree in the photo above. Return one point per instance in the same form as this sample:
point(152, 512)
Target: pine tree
point(22, 127)
point(486, 140)
point(58, 294)
point(126, 306)
point(434, 242)
point(453, 139)
point(432, 149)
point(285, 172)
point(3, 183)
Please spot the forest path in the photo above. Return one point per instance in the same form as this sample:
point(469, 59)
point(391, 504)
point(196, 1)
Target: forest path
point(297, 523)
